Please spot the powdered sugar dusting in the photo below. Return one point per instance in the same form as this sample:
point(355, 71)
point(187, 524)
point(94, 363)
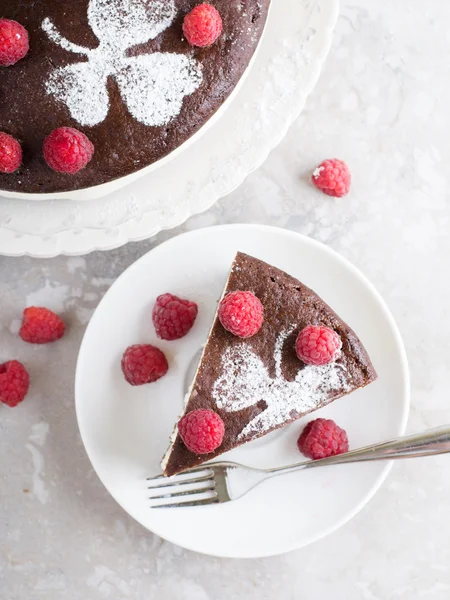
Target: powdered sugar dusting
point(245, 381)
point(152, 86)
point(317, 171)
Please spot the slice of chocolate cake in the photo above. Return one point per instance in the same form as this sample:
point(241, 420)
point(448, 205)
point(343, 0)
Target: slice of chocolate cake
point(259, 384)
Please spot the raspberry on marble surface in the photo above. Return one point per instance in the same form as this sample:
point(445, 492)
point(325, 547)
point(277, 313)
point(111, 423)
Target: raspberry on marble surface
point(14, 383)
point(41, 326)
point(332, 177)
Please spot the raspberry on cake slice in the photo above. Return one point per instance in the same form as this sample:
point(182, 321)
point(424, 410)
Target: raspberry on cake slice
point(318, 345)
point(241, 313)
point(276, 352)
point(201, 431)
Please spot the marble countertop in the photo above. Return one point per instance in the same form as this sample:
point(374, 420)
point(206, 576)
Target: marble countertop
point(382, 104)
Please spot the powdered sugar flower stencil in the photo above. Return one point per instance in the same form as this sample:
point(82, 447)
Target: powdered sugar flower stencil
point(245, 381)
point(152, 86)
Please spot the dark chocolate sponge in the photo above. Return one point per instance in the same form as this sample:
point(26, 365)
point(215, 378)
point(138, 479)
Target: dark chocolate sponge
point(122, 144)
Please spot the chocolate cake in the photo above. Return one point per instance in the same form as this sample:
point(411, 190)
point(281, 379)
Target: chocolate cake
point(121, 72)
point(259, 384)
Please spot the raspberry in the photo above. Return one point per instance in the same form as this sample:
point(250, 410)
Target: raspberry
point(322, 438)
point(173, 317)
point(67, 150)
point(143, 363)
point(14, 383)
point(241, 313)
point(41, 326)
point(10, 153)
point(201, 431)
point(202, 26)
point(317, 345)
point(14, 42)
point(332, 177)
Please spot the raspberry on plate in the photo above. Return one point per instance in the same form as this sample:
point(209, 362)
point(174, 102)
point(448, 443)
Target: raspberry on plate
point(41, 326)
point(318, 345)
point(321, 438)
point(202, 26)
point(241, 313)
point(14, 382)
point(201, 430)
point(14, 43)
point(143, 363)
point(173, 317)
point(10, 153)
point(67, 150)
point(332, 177)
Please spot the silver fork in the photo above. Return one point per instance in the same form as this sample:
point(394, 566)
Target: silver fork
point(219, 482)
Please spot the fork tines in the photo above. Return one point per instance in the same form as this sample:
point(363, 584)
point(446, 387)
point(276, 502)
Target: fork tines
point(194, 488)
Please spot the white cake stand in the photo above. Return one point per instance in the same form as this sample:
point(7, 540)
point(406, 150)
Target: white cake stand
point(292, 51)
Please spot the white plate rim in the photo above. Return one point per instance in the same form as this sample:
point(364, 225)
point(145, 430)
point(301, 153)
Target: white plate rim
point(399, 346)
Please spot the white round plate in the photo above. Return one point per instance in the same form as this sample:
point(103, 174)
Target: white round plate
point(125, 430)
point(270, 98)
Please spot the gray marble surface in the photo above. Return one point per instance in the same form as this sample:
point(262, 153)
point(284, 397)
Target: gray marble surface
point(382, 104)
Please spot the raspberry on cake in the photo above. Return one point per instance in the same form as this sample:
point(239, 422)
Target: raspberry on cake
point(258, 384)
point(41, 326)
point(241, 313)
point(202, 26)
point(143, 363)
point(201, 431)
point(10, 153)
point(317, 345)
point(67, 150)
point(14, 42)
point(173, 317)
point(14, 383)
point(322, 438)
point(332, 177)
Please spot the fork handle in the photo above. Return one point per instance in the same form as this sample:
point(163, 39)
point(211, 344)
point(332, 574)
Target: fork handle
point(426, 443)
